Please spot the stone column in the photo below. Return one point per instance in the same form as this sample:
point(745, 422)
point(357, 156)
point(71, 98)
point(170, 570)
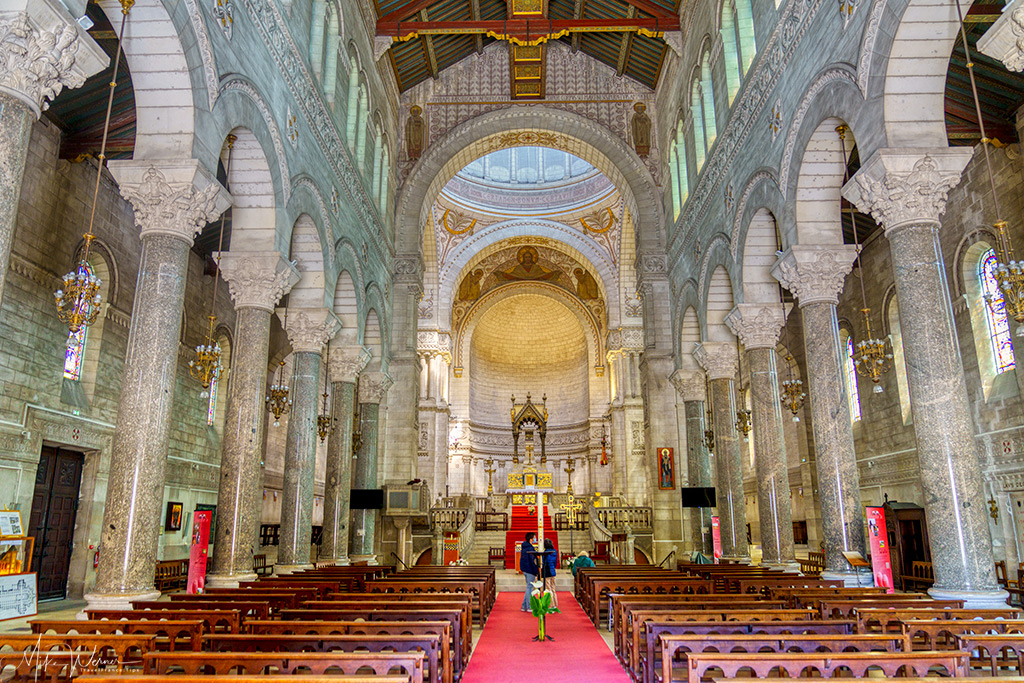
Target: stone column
point(172, 204)
point(372, 388)
point(690, 386)
point(720, 362)
point(402, 363)
point(905, 190)
point(308, 330)
point(43, 50)
point(815, 275)
point(257, 281)
point(345, 366)
point(758, 327)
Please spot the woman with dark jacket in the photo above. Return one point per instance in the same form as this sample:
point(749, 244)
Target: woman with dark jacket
point(548, 569)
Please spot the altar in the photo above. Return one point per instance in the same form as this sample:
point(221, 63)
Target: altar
point(529, 486)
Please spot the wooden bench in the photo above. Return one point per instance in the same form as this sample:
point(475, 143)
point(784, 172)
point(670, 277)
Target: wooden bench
point(844, 608)
point(171, 635)
point(870, 620)
point(596, 597)
point(47, 666)
point(474, 587)
point(766, 585)
point(178, 678)
point(496, 553)
point(170, 574)
point(294, 663)
point(814, 565)
point(275, 600)
point(996, 647)
point(404, 602)
point(213, 619)
point(827, 665)
point(809, 597)
point(921, 576)
point(110, 650)
point(323, 587)
point(260, 566)
point(246, 608)
point(938, 634)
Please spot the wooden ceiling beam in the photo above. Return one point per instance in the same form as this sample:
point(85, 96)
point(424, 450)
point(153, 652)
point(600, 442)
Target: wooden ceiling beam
point(625, 45)
point(654, 9)
point(526, 29)
point(577, 14)
point(407, 10)
point(428, 48)
point(474, 13)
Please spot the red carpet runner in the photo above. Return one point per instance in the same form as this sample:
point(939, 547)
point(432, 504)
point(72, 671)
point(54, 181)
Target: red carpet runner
point(505, 653)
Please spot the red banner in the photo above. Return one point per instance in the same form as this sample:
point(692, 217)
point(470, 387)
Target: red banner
point(450, 548)
point(716, 538)
point(199, 553)
point(878, 542)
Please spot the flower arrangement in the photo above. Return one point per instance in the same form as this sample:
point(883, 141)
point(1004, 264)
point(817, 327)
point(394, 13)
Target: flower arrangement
point(461, 562)
point(540, 605)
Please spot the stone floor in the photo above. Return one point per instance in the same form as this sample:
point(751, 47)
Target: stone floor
point(51, 609)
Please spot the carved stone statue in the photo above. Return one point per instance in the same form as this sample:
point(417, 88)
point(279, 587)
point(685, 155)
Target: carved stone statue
point(641, 129)
point(415, 130)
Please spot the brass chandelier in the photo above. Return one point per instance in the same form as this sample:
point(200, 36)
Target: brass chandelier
point(324, 421)
point(709, 425)
point(871, 355)
point(278, 401)
point(793, 394)
point(78, 299)
point(743, 424)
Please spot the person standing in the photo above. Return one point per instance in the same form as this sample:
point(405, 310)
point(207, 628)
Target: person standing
point(550, 563)
point(528, 566)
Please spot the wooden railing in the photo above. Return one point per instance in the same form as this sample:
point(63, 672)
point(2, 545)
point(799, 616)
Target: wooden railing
point(617, 519)
point(491, 521)
point(813, 565)
point(447, 518)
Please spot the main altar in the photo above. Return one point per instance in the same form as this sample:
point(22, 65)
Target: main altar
point(529, 484)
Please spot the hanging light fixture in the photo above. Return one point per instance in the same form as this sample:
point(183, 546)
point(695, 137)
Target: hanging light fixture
point(78, 299)
point(871, 355)
point(324, 421)
point(206, 366)
point(278, 401)
point(743, 424)
point(793, 395)
point(709, 425)
point(1009, 273)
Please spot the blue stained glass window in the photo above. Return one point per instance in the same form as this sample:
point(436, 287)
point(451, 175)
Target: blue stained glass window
point(995, 313)
point(211, 410)
point(853, 393)
point(75, 350)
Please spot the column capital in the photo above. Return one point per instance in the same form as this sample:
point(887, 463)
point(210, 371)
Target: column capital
point(257, 279)
point(690, 385)
point(650, 267)
point(434, 343)
point(815, 273)
point(626, 339)
point(757, 325)
point(1004, 40)
point(907, 186)
point(309, 328)
point(173, 197)
point(346, 363)
point(373, 386)
point(42, 51)
point(718, 359)
point(407, 268)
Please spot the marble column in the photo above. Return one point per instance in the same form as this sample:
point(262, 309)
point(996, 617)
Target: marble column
point(308, 330)
point(400, 433)
point(815, 276)
point(758, 327)
point(257, 281)
point(691, 388)
point(720, 362)
point(372, 389)
point(172, 203)
point(345, 366)
point(43, 51)
point(905, 191)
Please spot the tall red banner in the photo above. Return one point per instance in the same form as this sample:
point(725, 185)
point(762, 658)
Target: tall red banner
point(200, 551)
point(716, 538)
point(878, 541)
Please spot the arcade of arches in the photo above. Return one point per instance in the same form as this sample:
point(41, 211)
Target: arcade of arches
point(650, 235)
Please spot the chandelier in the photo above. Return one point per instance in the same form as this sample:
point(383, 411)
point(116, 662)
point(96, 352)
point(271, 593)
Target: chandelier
point(278, 401)
point(78, 299)
point(743, 424)
point(324, 421)
point(793, 395)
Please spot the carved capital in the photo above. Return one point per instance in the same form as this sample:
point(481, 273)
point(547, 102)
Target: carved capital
point(309, 329)
point(42, 51)
point(373, 386)
point(718, 359)
point(1004, 40)
point(907, 186)
point(407, 268)
point(175, 198)
point(257, 279)
point(757, 325)
point(348, 362)
point(689, 385)
point(815, 274)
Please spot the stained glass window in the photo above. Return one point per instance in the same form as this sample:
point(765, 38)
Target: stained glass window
point(853, 393)
point(995, 313)
point(211, 410)
point(75, 350)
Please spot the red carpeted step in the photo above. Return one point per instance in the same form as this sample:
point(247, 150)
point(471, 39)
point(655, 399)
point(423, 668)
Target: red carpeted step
point(521, 522)
point(505, 652)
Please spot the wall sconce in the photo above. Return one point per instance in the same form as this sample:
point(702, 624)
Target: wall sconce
point(993, 509)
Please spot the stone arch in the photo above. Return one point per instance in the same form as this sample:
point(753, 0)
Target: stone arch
point(584, 138)
point(254, 205)
point(242, 105)
point(348, 259)
point(373, 339)
point(111, 277)
point(717, 246)
point(308, 199)
point(346, 307)
point(687, 300)
point(719, 302)
point(374, 299)
point(817, 211)
point(689, 336)
point(761, 192)
point(307, 253)
point(981, 233)
point(759, 255)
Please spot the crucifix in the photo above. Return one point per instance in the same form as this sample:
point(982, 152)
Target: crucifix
point(570, 467)
point(571, 509)
point(490, 469)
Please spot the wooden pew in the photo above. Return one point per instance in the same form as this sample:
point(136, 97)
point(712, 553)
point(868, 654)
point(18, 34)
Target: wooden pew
point(766, 584)
point(476, 587)
point(47, 666)
point(246, 608)
point(938, 634)
point(887, 619)
point(213, 619)
point(323, 587)
point(175, 635)
point(844, 608)
point(402, 603)
point(827, 665)
point(178, 678)
point(170, 574)
point(996, 647)
point(108, 650)
point(600, 588)
point(295, 663)
point(260, 566)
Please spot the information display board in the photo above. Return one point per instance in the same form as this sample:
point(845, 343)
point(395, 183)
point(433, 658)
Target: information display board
point(18, 596)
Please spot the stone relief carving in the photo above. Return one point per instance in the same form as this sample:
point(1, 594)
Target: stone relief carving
point(223, 11)
point(689, 385)
point(897, 198)
point(309, 330)
point(179, 210)
point(258, 281)
point(757, 326)
point(38, 63)
point(346, 363)
point(373, 386)
point(718, 359)
point(205, 50)
point(815, 274)
point(1015, 62)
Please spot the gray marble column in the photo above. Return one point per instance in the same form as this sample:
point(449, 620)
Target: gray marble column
point(345, 365)
point(905, 190)
point(691, 388)
point(758, 327)
point(257, 281)
point(44, 51)
point(171, 204)
point(372, 389)
point(815, 275)
point(308, 330)
point(720, 362)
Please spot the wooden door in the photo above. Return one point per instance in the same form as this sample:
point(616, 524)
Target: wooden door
point(52, 521)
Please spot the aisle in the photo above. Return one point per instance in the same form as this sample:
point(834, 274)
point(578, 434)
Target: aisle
point(505, 653)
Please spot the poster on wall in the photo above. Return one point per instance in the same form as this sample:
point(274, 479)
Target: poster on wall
point(10, 523)
point(878, 543)
point(18, 596)
point(666, 469)
point(199, 553)
point(716, 538)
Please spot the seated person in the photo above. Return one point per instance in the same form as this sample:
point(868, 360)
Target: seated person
point(582, 560)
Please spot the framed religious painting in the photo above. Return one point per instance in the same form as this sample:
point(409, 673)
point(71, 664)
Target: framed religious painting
point(173, 521)
point(666, 469)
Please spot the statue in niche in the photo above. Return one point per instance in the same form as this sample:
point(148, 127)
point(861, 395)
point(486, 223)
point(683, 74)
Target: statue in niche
point(586, 285)
point(414, 133)
point(528, 268)
point(641, 129)
point(469, 290)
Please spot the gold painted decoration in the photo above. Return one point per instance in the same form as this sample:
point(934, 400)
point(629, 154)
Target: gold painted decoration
point(599, 222)
point(460, 223)
point(539, 40)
